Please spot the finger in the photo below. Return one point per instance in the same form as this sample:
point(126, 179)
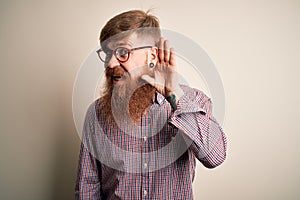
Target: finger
point(161, 49)
point(166, 51)
point(172, 57)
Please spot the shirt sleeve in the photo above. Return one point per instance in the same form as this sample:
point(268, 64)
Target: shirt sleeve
point(200, 129)
point(88, 182)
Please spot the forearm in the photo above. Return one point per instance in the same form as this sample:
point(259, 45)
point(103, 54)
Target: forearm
point(87, 183)
point(206, 138)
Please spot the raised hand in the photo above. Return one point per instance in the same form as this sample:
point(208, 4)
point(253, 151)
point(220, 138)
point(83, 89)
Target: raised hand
point(165, 78)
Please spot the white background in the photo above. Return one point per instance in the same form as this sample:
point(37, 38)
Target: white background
point(254, 45)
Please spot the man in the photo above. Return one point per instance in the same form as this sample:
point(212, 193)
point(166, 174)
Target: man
point(141, 137)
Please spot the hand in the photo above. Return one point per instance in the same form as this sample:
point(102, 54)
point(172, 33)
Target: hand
point(165, 78)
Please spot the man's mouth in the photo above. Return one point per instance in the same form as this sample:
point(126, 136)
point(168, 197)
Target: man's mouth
point(117, 74)
point(118, 78)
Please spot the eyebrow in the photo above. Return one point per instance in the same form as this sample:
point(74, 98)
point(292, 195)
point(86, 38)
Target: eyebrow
point(122, 44)
point(118, 44)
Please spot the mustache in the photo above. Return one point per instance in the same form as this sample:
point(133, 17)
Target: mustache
point(116, 71)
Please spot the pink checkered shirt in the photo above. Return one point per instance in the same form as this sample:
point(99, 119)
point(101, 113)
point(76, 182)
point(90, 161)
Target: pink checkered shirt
point(152, 160)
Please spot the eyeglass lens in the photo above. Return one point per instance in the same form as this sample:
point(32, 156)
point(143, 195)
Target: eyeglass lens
point(121, 54)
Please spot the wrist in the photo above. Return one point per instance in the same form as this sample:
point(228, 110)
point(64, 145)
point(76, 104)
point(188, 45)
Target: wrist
point(173, 101)
point(177, 92)
point(173, 97)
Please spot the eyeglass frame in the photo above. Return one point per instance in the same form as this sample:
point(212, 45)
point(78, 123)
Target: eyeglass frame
point(115, 52)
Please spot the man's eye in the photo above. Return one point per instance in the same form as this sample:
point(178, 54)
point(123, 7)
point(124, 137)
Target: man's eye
point(122, 52)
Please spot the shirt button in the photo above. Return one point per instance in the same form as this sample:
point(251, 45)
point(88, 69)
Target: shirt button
point(145, 165)
point(145, 192)
point(145, 138)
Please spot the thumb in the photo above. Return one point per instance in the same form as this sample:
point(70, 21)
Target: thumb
point(152, 81)
point(148, 79)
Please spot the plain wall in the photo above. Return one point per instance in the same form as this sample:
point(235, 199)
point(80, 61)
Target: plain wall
point(254, 45)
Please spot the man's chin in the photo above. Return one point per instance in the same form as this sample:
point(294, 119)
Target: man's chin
point(128, 97)
point(128, 82)
point(119, 82)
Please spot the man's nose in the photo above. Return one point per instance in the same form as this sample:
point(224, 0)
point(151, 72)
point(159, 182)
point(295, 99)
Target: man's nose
point(113, 62)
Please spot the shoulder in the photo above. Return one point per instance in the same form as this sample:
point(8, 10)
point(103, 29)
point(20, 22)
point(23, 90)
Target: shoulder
point(93, 109)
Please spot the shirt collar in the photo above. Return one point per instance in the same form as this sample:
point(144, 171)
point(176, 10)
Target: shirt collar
point(159, 98)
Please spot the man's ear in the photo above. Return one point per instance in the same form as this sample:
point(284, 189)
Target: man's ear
point(153, 55)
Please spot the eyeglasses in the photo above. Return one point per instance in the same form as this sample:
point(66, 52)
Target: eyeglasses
point(121, 53)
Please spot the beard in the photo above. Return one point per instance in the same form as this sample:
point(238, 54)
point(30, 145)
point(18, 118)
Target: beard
point(126, 102)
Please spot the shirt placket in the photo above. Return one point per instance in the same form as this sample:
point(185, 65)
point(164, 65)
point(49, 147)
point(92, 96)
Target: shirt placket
point(145, 124)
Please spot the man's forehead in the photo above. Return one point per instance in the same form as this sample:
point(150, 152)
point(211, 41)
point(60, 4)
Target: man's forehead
point(131, 40)
point(117, 43)
point(128, 40)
